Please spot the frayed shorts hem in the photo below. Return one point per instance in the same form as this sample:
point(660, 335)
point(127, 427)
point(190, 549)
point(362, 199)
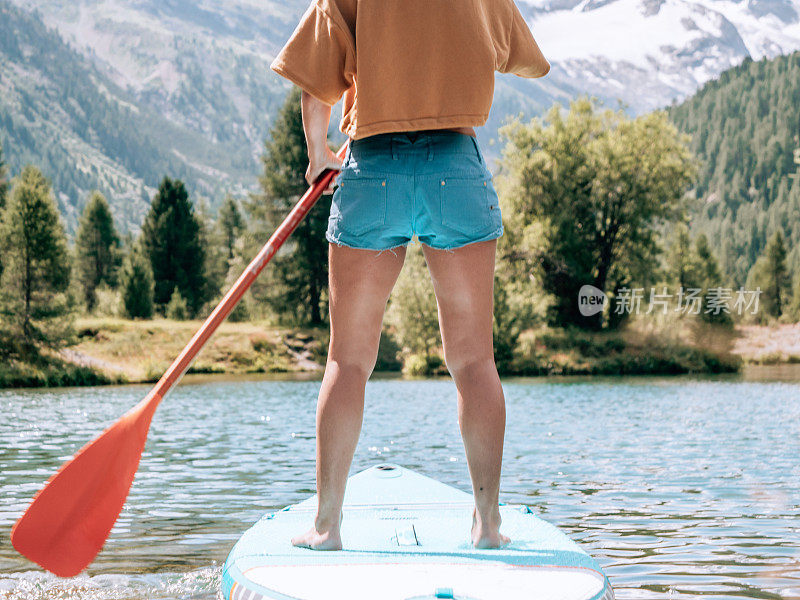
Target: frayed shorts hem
point(339, 242)
point(497, 233)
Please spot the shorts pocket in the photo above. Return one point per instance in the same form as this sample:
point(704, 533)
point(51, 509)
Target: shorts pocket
point(359, 204)
point(468, 204)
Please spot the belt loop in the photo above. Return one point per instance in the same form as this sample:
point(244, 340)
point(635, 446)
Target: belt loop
point(477, 149)
point(393, 144)
point(429, 139)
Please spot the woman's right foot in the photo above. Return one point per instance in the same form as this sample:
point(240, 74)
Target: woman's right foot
point(314, 540)
point(320, 537)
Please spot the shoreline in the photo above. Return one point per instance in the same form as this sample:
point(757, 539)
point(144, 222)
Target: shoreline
point(112, 351)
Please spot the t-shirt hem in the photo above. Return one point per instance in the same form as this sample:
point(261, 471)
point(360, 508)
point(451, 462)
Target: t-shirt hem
point(361, 130)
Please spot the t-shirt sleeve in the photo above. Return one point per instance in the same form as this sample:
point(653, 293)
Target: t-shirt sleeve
point(320, 55)
point(521, 55)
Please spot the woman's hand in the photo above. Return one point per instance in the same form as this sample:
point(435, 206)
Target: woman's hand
point(324, 159)
point(316, 118)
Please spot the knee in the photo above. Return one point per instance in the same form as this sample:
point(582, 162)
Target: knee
point(353, 368)
point(471, 369)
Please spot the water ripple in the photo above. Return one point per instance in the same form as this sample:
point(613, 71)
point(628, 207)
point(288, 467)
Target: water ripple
point(679, 487)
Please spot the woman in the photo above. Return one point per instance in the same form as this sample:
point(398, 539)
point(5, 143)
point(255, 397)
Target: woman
point(416, 79)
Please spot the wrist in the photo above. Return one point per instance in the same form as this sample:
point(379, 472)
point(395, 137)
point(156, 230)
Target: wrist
point(318, 152)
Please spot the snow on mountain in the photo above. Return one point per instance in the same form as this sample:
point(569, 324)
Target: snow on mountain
point(644, 52)
point(649, 52)
point(203, 65)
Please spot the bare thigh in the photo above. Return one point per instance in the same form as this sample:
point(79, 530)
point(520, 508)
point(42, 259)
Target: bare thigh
point(463, 280)
point(360, 283)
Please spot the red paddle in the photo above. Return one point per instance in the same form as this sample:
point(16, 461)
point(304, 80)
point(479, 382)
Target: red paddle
point(70, 518)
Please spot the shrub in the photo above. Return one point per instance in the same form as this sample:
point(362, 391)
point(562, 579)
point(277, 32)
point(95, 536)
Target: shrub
point(177, 307)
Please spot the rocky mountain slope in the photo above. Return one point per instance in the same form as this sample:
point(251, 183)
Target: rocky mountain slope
point(189, 80)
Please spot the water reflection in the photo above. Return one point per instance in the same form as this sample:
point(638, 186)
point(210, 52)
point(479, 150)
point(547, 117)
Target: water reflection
point(679, 487)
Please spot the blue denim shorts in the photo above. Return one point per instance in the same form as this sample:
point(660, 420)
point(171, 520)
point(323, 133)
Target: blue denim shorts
point(433, 184)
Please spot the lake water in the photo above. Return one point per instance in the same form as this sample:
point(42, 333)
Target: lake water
point(680, 487)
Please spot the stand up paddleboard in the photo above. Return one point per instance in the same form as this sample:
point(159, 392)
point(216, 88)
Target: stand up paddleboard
point(406, 537)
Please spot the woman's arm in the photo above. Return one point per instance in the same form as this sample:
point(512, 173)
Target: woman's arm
point(316, 118)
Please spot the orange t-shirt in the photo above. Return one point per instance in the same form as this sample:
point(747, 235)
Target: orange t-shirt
point(406, 65)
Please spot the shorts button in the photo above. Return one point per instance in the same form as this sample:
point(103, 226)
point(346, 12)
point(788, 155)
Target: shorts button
point(383, 183)
point(442, 182)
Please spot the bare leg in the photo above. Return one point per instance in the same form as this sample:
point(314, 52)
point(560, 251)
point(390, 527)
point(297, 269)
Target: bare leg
point(360, 284)
point(463, 280)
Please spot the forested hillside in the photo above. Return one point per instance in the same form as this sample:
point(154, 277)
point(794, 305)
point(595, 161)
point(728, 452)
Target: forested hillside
point(59, 112)
point(745, 129)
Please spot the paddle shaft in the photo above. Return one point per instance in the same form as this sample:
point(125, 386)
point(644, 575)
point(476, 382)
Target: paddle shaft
point(179, 366)
point(70, 518)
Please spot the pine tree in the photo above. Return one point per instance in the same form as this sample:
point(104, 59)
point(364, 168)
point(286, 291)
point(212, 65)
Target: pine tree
point(3, 179)
point(795, 309)
point(97, 248)
point(298, 279)
point(230, 225)
point(775, 293)
point(215, 267)
point(708, 277)
point(36, 270)
point(681, 259)
point(136, 285)
point(171, 241)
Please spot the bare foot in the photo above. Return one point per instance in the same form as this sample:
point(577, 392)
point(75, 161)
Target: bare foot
point(486, 533)
point(320, 538)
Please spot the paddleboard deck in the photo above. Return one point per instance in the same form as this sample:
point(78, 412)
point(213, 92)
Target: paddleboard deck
point(406, 537)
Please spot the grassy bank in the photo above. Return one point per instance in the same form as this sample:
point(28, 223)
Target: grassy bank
point(53, 372)
point(110, 350)
point(142, 350)
point(565, 352)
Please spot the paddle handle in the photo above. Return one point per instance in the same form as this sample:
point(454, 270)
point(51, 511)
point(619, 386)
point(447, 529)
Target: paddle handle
point(179, 366)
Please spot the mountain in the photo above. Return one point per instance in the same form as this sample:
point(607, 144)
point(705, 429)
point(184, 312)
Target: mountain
point(192, 78)
point(61, 113)
point(745, 129)
point(649, 52)
point(190, 84)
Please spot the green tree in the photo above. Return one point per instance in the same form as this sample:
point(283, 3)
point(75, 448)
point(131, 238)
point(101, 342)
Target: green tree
point(230, 224)
point(708, 278)
point(3, 179)
point(216, 267)
point(771, 275)
point(36, 270)
point(97, 248)
point(136, 285)
point(297, 283)
point(681, 259)
point(172, 242)
point(220, 239)
point(412, 307)
point(795, 309)
point(596, 186)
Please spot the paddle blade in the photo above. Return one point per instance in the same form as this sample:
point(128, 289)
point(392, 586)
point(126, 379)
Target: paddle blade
point(69, 520)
